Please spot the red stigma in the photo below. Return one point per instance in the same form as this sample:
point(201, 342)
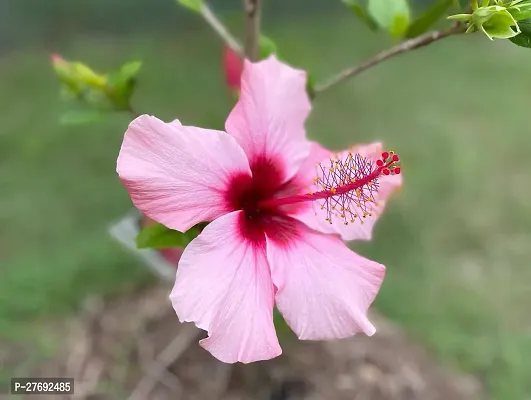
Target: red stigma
point(385, 155)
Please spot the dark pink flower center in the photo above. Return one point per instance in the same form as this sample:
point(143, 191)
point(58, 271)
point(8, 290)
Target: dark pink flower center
point(246, 193)
point(346, 189)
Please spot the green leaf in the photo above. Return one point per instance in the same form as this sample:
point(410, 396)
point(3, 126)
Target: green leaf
point(123, 84)
point(463, 4)
point(524, 38)
point(194, 5)
point(281, 327)
point(80, 117)
point(393, 15)
point(129, 70)
point(426, 20)
point(310, 86)
point(158, 236)
point(267, 47)
point(361, 13)
point(520, 11)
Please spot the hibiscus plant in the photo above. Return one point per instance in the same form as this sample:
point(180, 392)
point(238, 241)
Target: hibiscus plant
point(259, 214)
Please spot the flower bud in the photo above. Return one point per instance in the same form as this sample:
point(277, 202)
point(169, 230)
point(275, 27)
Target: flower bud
point(233, 67)
point(495, 22)
point(75, 75)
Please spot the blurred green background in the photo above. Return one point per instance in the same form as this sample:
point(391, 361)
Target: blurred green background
point(456, 239)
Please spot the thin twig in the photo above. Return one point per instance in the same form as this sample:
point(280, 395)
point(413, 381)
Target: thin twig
point(403, 47)
point(253, 12)
point(164, 360)
point(220, 29)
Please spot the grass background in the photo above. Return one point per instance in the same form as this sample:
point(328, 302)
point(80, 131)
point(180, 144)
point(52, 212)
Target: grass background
point(455, 240)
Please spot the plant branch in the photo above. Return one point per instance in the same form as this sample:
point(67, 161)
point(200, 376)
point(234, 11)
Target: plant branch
point(403, 47)
point(252, 28)
point(220, 29)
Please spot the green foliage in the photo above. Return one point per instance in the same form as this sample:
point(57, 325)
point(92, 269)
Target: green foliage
point(96, 94)
point(520, 11)
point(392, 15)
point(430, 16)
point(157, 236)
point(524, 38)
point(360, 11)
point(282, 328)
point(194, 5)
point(463, 4)
point(122, 84)
point(496, 22)
point(267, 47)
point(310, 86)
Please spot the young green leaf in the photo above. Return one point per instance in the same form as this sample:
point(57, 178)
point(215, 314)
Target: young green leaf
point(361, 13)
point(267, 47)
point(426, 20)
point(123, 83)
point(129, 70)
point(158, 236)
point(393, 15)
point(524, 38)
point(194, 5)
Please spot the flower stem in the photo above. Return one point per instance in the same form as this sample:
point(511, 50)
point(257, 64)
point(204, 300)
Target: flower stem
point(403, 47)
point(220, 29)
point(252, 28)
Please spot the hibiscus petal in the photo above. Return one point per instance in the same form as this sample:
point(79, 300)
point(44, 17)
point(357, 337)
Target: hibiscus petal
point(268, 120)
point(324, 288)
point(315, 217)
point(177, 174)
point(224, 285)
point(307, 172)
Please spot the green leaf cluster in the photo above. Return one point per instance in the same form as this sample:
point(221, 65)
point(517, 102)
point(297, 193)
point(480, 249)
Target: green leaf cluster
point(396, 17)
point(95, 96)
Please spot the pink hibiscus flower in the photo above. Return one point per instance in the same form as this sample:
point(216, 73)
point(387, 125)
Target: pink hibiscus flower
point(269, 199)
